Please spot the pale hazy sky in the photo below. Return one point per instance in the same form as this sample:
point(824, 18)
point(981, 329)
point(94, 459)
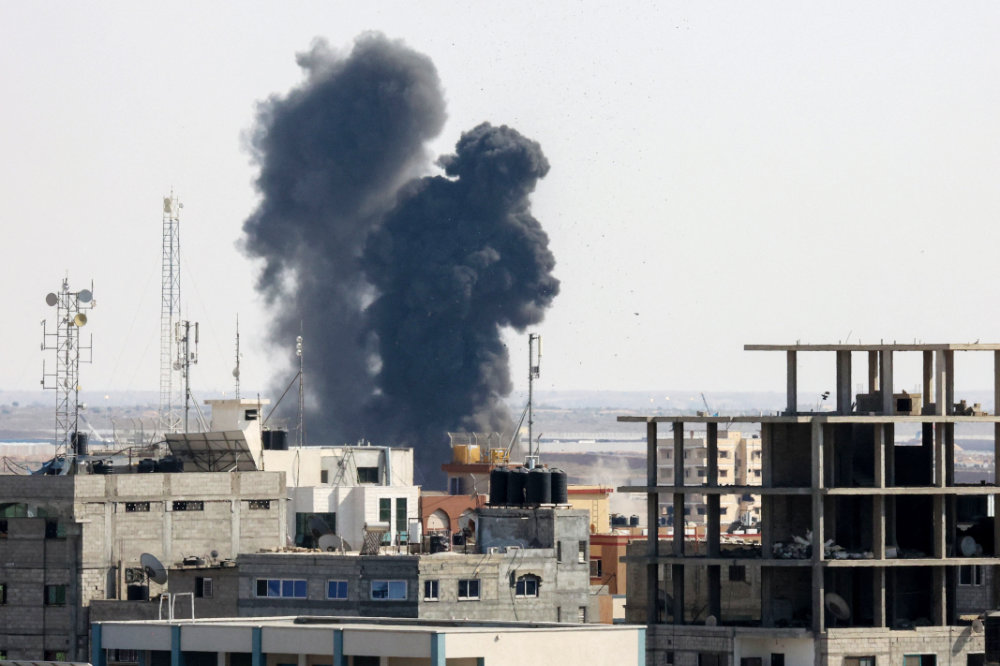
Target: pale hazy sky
point(721, 173)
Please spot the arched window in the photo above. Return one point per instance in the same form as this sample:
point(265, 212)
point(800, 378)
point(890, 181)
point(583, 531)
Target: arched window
point(527, 586)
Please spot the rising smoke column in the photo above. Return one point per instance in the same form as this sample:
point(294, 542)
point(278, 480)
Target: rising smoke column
point(459, 259)
point(332, 154)
point(401, 284)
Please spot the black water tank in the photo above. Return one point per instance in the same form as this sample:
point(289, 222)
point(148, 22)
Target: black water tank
point(79, 442)
point(515, 486)
point(498, 486)
point(618, 520)
point(538, 489)
point(633, 521)
point(170, 464)
point(104, 467)
point(560, 493)
point(146, 466)
point(138, 592)
point(438, 543)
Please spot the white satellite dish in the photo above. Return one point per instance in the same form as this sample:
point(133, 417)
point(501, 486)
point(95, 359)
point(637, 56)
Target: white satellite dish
point(85, 296)
point(154, 570)
point(977, 626)
point(51, 299)
point(837, 606)
point(331, 543)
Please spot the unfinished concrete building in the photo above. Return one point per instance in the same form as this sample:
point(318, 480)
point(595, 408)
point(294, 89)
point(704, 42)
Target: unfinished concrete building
point(870, 552)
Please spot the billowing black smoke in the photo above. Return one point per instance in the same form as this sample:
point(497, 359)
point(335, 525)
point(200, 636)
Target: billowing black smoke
point(399, 284)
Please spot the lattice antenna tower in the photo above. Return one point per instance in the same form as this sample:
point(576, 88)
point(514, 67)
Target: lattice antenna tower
point(71, 316)
point(170, 314)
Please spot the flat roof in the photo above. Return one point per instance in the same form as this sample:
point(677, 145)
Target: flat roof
point(810, 418)
point(881, 346)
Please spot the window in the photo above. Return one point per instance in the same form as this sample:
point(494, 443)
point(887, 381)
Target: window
point(388, 590)
point(281, 588)
point(203, 587)
point(970, 575)
point(431, 590)
point(738, 573)
point(777, 659)
point(384, 509)
point(368, 475)
point(336, 589)
point(249, 414)
point(3, 529)
point(581, 553)
point(55, 655)
point(55, 595)
point(859, 661)
point(468, 588)
point(126, 656)
point(188, 505)
point(54, 529)
point(920, 660)
point(324, 476)
point(454, 486)
point(401, 515)
point(596, 568)
point(260, 505)
point(136, 507)
point(527, 586)
point(723, 454)
point(581, 615)
point(701, 471)
point(723, 473)
point(3, 593)
point(701, 511)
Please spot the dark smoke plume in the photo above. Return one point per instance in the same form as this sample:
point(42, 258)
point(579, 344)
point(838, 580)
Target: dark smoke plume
point(400, 284)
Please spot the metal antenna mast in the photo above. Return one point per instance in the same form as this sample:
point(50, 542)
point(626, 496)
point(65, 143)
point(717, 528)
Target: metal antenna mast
point(71, 307)
point(302, 394)
point(236, 370)
point(534, 362)
point(185, 359)
point(170, 312)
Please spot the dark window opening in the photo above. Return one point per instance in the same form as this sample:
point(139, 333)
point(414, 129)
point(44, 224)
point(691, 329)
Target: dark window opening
point(368, 475)
point(134, 507)
point(262, 505)
point(189, 505)
point(54, 529)
point(203, 587)
point(55, 595)
point(738, 573)
point(250, 415)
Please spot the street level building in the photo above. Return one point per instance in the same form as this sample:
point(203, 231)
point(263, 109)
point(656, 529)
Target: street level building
point(868, 545)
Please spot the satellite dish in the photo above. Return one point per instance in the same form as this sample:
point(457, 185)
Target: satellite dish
point(711, 621)
point(214, 554)
point(977, 626)
point(236, 372)
point(968, 546)
point(51, 299)
point(80, 320)
point(154, 570)
point(837, 606)
point(85, 296)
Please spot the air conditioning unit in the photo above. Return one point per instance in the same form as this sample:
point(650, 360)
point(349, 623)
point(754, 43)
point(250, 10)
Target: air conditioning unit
point(492, 550)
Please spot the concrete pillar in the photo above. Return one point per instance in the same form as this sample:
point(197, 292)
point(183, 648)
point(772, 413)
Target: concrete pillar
point(677, 577)
point(437, 649)
point(713, 527)
point(928, 376)
point(878, 597)
point(715, 591)
point(652, 539)
point(872, 371)
point(940, 380)
point(792, 384)
point(843, 381)
point(678, 482)
point(949, 389)
point(889, 437)
point(879, 437)
point(712, 440)
point(939, 455)
point(885, 363)
point(97, 657)
point(878, 526)
point(818, 583)
point(338, 648)
point(257, 647)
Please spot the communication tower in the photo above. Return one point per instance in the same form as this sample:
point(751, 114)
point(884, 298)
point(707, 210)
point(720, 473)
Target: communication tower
point(71, 316)
point(185, 359)
point(534, 366)
point(170, 313)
